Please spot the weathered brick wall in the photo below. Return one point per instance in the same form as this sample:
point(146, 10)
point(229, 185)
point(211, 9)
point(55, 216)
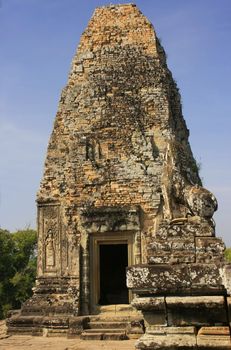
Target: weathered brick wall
point(116, 117)
point(119, 162)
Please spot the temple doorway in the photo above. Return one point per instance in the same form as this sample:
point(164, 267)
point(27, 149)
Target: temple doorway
point(113, 260)
point(110, 254)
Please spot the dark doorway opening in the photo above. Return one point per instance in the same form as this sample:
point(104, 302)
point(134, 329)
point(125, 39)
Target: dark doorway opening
point(113, 263)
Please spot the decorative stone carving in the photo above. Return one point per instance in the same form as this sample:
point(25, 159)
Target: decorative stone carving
point(49, 238)
point(201, 202)
point(50, 250)
point(93, 150)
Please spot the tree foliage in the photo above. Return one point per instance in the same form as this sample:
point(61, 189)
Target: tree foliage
point(228, 254)
point(17, 268)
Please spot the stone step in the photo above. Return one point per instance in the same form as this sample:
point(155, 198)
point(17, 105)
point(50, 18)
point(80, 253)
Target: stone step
point(91, 336)
point(111, 318)
point(115, 336)
point(105, 330)
point(103, 335)
point(120, 310)
point(105, 327)
point(27, 330)
point(109, 324)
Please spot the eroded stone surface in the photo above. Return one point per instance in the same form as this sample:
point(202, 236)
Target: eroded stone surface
point(197, 310)
point(156, 303)
point(167, 342)
point(175, 279)
point(119, 168)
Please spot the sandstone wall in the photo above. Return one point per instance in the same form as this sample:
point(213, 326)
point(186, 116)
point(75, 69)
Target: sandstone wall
point(119, 137)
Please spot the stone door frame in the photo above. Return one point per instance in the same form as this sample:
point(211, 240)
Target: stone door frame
point(95, 241)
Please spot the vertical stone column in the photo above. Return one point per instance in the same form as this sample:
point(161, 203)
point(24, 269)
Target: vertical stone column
point(85, 277)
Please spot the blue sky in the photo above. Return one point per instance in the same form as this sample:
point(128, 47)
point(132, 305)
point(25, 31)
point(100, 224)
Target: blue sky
point(38, 40)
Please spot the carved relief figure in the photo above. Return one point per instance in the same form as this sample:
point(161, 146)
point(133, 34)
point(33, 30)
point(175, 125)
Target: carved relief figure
point(50, 241)
point(50, 250)
point(93, 150)
point(90, 154)
point(73, 251)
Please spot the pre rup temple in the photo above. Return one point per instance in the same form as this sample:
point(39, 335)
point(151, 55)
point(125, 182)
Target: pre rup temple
point(126, 238)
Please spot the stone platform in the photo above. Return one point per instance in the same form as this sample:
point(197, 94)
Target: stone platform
point(28, 342)
point(113, 322)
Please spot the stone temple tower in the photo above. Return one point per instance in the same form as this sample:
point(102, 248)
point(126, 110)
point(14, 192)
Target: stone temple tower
point(121, 192)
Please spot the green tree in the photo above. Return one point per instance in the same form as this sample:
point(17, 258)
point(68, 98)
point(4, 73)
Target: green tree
point(7, 271)
point(17, 267)
point(25, 242)
point(228, 254)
